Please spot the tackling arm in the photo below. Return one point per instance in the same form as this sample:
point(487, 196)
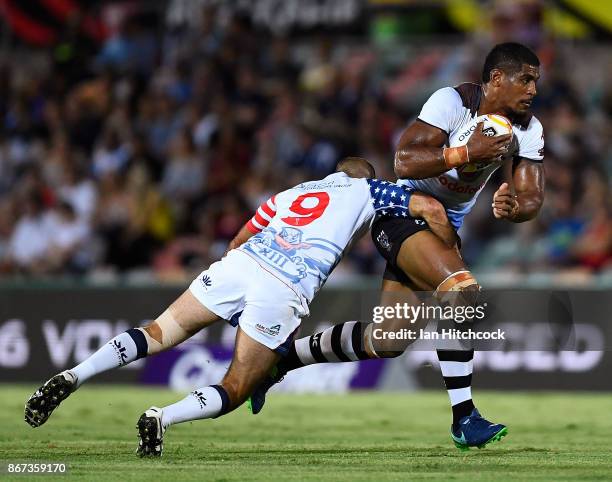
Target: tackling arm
point(433, 213)
point(387, 200)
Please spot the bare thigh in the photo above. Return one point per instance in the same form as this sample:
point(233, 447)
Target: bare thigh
point(427, 261)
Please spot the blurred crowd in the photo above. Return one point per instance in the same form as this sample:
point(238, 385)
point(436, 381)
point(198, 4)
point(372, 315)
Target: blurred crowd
point(145, 154)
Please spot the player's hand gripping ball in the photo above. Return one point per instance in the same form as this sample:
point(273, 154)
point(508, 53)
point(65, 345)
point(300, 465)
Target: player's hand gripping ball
point(481, 145)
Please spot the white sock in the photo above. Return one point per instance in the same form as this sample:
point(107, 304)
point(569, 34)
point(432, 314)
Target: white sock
point(119, 351)
point(458, 378)
point(202, 403)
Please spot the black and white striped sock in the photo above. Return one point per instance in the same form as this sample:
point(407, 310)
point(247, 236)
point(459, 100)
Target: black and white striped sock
point(457, 367)
point(340, 343)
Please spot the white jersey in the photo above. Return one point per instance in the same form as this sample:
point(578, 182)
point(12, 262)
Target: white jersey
point(455, 110)
point(301, 234)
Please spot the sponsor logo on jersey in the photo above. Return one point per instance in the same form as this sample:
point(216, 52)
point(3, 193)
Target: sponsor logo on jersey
point(467, 133)
point(206, 281)
point(272, 330)
point(458, 187)
point(383, 241)
point(323, 185)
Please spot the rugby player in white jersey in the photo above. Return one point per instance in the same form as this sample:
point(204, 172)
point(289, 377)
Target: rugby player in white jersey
point(264, 286)
point(445, 154)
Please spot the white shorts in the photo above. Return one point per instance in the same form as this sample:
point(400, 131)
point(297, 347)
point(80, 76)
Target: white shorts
point(237, 288)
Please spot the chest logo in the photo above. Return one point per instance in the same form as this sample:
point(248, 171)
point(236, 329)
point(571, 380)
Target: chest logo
point(292, 255)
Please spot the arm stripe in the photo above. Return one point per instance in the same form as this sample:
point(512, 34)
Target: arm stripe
point(259, 221)
point(257, 224)
point(264, 215)
point(251, 227)
point(268, 208)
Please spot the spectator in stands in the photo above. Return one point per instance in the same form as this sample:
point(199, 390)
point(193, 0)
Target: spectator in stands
point(155, 146)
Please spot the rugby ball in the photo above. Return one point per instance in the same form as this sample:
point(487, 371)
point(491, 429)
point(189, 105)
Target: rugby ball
point(497, 125)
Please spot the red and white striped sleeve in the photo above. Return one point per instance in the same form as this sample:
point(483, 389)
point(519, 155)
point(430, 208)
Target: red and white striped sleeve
point(263, 216)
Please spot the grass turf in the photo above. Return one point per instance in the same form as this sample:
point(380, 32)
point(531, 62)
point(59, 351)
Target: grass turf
point(356, 437)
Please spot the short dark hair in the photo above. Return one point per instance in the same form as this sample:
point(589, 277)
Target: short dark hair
point(356, 167)
point(508, 57)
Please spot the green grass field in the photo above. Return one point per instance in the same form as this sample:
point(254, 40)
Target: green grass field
point(367, 436)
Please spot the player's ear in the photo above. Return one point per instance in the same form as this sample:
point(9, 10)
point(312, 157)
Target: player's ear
point(497, 76)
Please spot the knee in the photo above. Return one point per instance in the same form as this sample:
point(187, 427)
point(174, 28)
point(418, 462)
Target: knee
point(469, 294)
point(458, 282)
point(459, 289)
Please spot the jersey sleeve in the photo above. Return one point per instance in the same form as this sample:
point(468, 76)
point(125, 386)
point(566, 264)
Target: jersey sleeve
point(442, 109)
point(389, 199)
point(531, 143)
point(263, 216)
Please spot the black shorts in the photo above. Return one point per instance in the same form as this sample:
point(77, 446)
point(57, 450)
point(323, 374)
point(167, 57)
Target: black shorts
point(388, 235)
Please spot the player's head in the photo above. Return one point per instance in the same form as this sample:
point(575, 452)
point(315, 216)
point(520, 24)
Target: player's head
point(356, 167)
point(510, 72)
